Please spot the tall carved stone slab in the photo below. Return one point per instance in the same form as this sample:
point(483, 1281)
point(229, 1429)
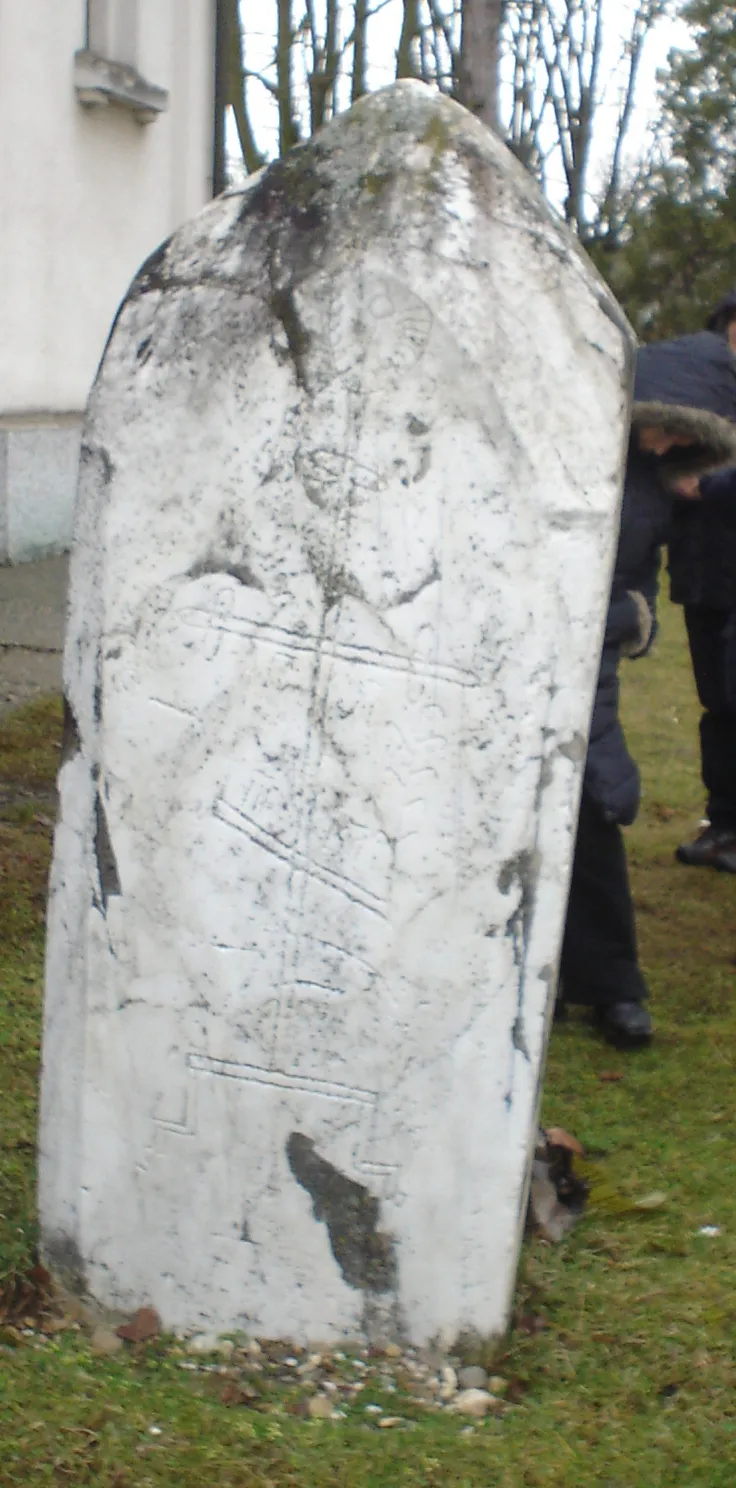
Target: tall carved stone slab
point(347, 514)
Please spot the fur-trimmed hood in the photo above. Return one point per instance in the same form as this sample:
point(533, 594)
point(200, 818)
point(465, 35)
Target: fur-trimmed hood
point(713, 437)
point(688, 387)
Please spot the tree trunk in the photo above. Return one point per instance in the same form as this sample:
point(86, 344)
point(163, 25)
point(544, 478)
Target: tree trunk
point(479, 57)
point(359, 85)
point(410, 29)
point(325, 63)
point(288, 132)
point(232, 65)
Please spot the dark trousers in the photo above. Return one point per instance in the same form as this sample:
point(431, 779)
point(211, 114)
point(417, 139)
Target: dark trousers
point(711, 643)
point(599, 956)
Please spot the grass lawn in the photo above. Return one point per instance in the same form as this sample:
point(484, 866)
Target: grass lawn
point(621, 1363)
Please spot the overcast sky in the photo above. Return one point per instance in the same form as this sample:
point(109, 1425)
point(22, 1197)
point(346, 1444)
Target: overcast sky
point(259, 18)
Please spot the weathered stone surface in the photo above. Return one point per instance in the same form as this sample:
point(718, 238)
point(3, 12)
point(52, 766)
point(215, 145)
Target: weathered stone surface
point(347, 513)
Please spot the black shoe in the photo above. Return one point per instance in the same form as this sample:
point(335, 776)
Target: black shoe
point(715, 847)
point(625, 1024)
point(726, 859)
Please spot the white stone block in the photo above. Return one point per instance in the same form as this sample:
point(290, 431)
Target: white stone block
point(351, 474)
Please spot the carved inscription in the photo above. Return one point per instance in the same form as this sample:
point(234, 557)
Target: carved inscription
point(291, 641)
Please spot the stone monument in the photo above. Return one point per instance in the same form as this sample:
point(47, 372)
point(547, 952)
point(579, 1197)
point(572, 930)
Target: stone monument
point(346, 521)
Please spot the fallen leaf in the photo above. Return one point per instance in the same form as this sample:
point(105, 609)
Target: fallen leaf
point(144, 1325)
point(531, 1322)
point(607, 1200)
point(610, 1077)
point(650, 1201)
point(239, 1394)
point(40, 1276)
point(517, 1389)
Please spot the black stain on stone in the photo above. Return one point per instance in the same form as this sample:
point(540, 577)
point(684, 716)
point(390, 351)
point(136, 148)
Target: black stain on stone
point(107, 867)
point(522, 870)
point(70, 740)
point(64, 1259)
point(290, 206)
point(518, 1037)
point(214, 565)
point(245, 1233)
point(96, 454)
point(416, 426)
point(97, 703)
point(292, 191)
point(143, 351)
point(150, 275)
point(365, 1255)
point(407, 595)
point(337, 586)
point(283, 306)
point(335, 583)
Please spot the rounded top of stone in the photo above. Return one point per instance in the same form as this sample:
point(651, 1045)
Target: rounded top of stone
point(405, 172)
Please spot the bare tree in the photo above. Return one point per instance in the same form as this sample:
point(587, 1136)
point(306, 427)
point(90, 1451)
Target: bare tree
point(479, 58)
point(555, 51)
point(232, 70)
point(537, 70)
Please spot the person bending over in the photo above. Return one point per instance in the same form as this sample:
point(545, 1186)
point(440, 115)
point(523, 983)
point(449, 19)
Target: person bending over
point(676, 435)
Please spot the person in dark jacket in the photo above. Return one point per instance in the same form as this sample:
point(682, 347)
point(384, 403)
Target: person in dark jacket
point(702, 566)
point(677, 434)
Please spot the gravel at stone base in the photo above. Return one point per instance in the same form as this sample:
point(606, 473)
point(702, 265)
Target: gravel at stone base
point(319, 1382)
point(330, 1385)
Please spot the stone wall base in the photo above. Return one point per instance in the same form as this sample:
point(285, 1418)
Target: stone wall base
point(39, 456)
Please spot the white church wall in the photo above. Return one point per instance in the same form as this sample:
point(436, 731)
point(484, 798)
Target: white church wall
point(102, 162)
